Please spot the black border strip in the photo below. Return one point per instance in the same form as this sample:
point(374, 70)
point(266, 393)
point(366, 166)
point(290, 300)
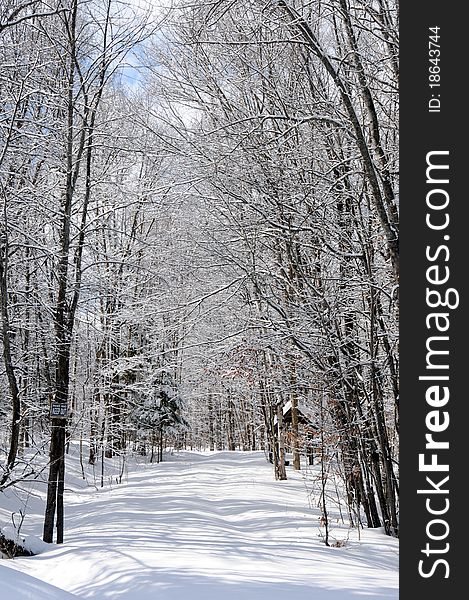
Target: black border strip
point(423, 131)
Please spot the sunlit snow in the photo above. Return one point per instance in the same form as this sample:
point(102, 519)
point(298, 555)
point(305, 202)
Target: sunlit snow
point(201, 526)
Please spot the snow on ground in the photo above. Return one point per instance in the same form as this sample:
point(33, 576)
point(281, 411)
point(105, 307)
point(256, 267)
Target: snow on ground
point(19, 586)
point(205, 526)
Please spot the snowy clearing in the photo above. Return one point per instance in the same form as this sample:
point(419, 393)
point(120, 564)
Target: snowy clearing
point(205, 526)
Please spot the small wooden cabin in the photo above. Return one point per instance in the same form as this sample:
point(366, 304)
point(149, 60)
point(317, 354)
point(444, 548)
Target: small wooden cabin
point(307, 429)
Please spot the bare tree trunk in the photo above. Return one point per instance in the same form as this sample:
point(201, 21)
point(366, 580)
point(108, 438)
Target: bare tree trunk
point(60, 490)
point(230, 426)
point(281, 471)
point(63, 321)
point(82, 466)
point(8, 361)
point(325, 515)
point(294, 431)
point(219, 429)
point(51, 500)
point(211, 437)
point(152, 453)
point(161, 445)
point(93, 451)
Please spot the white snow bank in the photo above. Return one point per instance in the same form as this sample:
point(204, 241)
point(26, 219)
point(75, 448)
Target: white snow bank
point(29, 542)
point(15, 585)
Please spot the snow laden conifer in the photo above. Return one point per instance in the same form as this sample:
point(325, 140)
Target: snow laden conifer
point(156, 414)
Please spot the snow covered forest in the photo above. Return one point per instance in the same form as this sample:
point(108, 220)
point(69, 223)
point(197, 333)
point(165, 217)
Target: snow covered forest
point(199, 256)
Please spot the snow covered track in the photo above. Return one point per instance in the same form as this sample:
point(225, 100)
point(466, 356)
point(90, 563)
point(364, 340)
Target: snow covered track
point(208, 526)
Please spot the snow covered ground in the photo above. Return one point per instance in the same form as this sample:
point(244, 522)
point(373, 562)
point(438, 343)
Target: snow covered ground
point(200, 526)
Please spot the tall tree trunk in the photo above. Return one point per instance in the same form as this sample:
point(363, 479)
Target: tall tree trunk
point(63, 320)
point(281, 471)
point(230, 426)
point(294, 431)
point(211, 437)
point(8, 361)
point(51, 500)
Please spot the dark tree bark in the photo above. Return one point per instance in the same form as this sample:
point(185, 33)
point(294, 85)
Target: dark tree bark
point(8, 361)
point(280, 470)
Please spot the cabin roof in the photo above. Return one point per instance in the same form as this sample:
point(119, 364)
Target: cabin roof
point(305, 414)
